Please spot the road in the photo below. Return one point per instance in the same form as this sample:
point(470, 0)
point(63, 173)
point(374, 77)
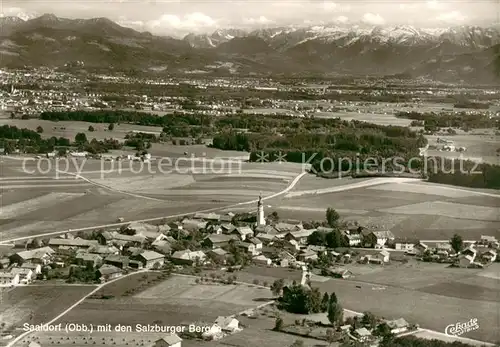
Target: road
point(117, 225)
point(23, 335)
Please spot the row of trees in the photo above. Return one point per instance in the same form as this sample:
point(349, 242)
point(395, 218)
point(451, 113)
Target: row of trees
point(462, 120)
point(463, 173)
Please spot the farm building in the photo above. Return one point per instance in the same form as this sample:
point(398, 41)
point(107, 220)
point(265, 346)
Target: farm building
point(88, 259)
point(188, 257)
point(77, 243)
point(119, 261)
point(262, 260)
point(216, 241)
point(363, 334)
point(171, 340)
point(398, 326)
point(8, 279)
point(37, 256)
point(108, 272)
point(406, 245)
point(151, 259)
point(340, 273)
point(377, 238)
point(228, 324)
point(218, 255)
point(243, 232)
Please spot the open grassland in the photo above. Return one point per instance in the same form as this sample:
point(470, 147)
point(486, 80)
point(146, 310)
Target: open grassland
point(37, 304)
point(176, 301)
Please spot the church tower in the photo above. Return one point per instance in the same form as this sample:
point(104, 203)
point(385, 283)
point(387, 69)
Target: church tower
point(260, 212)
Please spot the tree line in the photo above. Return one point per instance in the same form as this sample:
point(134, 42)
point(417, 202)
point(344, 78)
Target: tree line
point(433, 121)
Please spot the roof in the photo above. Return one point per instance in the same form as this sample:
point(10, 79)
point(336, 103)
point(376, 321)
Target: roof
point(207, 216)
point(188, 255)
point(107, 269)
point(170, 339)
point(224, 321)
point(398, 323)
point(151, 255)
point(88, 256)
point(284, 227)
point(117, 258)
point(7, 275)
point(363, 332)
point(384, 253)
point(220, 238)
point(219, 251)
point(139, 227)
point(488, 238)
point(255, 241)
point(302, 233)
point(244, 230)
point(35, 253)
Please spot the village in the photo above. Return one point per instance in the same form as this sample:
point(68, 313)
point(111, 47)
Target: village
point(229, 242)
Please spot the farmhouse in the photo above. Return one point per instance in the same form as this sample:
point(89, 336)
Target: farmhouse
point(383, 256)
point(265, 229)
point(362, 334)
point(216, 241)
point(247, 247)
point(489, 256)
point(8, 279)
point(377, 239)
point(420, 248)
point(108, 272)
point(104, 250)
point(282, 227)
point(300, 236)
point(489, 241)
point(307, 255)
point(163, 246)
point(262, 260)
point(267, 238)
point(228, 324)
point(398, 326)
point(118, 261)
point(406, 245)
point(243, 232)
point(212, 217)
point(188, 257)
point(77, 243)
point(470, 251)
point(227, 228)
point(193, 224)
point(88, 259)
point(151, 259)
point(171, 340)
point(36, 268)
point(38, 256)
point(26, 276)
point(213, 333)
point(340, 273)
point(352, 239)
point(218, 255)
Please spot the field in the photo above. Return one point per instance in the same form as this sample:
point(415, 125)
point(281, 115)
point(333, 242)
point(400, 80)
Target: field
point(426, 294)
point(36, 304)
point(45, 196)
point(176, 301)
point(409, 208)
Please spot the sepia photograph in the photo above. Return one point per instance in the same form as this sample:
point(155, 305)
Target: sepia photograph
point(250, 173)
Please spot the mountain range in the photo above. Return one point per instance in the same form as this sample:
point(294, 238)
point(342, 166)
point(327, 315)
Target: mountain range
point(467, 53)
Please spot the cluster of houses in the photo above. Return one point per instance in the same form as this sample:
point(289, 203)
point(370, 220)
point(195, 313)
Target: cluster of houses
point(365, 335)
point(284, 244)
point(476, 254)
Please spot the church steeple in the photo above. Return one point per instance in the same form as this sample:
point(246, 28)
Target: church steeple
point(260, 212)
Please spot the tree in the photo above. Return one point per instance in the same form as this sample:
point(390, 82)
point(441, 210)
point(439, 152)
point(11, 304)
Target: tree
point(324, 302)
point(332, 217)
point(317, 238)
point(335, 314)
point(314, 301)
point(278, 324)
point(80, 138)
point(333, 298)
point(382, 330)
point(277, 286)
point(111, 126)
point(39, 129)
point(369, 320)
point(330, 336)
point(91, 128)
point(457, 243)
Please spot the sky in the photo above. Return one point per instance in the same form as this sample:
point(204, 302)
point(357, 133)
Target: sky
point(179, 17)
